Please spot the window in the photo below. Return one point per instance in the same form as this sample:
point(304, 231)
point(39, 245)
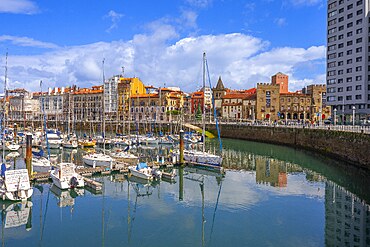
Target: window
point(340, 98)
point(332, 39)
point(340, 89)
point(341, 45)
point(350, 6)
point(332, 13)
point(349, 79)
point(331, 72)
point(349, 43)
point(349, 61)
point(358, 78)
point(359, 40)
point(341, 19)
point(340, 72)
point(341, 28)
point(341, 1)
point(331, 98)
point(349, 52)
point(340, 80)
point(340, 11)
point(349, 34)
point(359, 12)
point(331, 89)
point(332, 22)
point(358, 59)
point(340, 54)
point(349, 97)
point(349, 16)
point(358, 22)
point(340, 37)
point(330, 81)
point(358, 87)
point(331, 56)
point(358, 49)
point(349, 70)
point(349, 88)
point(332, 5)
point(331, 65)
point(358, 68)
point(349, 24)
point(332, 47)
point(358, 31)
point(359, 2)
point(340, 63)
point(332, 30)
point(358, 96)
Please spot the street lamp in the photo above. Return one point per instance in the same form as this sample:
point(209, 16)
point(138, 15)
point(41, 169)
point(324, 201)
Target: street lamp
point(353, 115)
point(335, 116)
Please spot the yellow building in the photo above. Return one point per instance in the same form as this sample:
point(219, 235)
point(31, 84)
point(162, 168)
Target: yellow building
point(318, 99)
point(128, 87)
point(296, 106)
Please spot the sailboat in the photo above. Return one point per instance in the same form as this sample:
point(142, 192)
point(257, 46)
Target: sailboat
point(71, 140)
point(202, 157)
point(14, 184)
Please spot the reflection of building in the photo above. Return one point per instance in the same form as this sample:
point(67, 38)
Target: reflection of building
point(270, 171)
point(347, 218)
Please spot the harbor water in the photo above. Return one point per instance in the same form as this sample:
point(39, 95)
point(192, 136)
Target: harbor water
point(269, 196)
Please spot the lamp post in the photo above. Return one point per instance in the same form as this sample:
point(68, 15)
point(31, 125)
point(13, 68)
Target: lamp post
point(320, 115)
point(335, 116)
point(353, 115)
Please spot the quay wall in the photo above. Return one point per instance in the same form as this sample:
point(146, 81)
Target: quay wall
point(351, 147)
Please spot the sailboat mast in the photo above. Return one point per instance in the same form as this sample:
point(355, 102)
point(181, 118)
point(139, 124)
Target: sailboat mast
point(103, 107)
point(204, 105)
point(4, 117)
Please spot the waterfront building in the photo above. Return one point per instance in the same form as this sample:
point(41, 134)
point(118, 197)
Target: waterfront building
point(275, 102)
point(347, 75)
point(126, 88)
point(238, 105)
point(111, 97)
point(197, 99)
point(87, 105)
point(271, 172)
point(218, 92)
point(23, 109)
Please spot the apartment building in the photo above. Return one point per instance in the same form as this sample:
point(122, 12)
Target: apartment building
point(347, 78)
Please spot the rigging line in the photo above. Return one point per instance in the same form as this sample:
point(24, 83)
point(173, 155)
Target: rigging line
point(214, 212)
point(214, 110)
point(46, 210)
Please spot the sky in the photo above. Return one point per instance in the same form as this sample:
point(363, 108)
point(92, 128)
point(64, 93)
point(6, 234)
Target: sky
point(63, 43)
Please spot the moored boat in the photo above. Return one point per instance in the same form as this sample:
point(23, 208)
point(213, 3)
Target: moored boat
point(64, 176)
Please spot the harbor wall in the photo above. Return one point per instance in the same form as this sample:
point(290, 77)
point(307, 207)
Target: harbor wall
point(351, 147)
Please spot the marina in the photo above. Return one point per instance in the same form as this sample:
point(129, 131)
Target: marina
point(266, 194)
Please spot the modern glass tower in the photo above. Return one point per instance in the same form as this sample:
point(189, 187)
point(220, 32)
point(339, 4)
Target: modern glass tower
point(347, 77)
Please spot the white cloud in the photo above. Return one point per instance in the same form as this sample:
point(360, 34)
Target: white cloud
point(200, 3)
point(159, 57)
point(115, 18)
point(25, 41)
point(18, 7)
point(280, 22)
point(306, 2)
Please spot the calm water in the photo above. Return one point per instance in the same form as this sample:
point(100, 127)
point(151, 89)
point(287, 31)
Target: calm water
point(269, 196)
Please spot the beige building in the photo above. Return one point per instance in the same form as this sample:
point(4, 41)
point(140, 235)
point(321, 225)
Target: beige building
point(239, 105)
point(268, 101)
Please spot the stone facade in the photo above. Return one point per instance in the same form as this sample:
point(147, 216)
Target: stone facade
point(267, 104)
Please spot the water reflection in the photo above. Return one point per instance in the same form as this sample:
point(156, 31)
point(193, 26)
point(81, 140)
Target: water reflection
point(269, 196)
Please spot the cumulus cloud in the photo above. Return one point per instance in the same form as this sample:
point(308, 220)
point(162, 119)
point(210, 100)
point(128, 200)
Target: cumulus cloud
point(115, 18)
point(18, 7)
point(160, 57)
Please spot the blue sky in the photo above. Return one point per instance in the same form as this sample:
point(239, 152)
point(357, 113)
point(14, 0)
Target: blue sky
point(64, 42)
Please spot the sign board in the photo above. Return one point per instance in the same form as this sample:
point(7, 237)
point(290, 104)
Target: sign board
point(17, 180)
point(268, 98)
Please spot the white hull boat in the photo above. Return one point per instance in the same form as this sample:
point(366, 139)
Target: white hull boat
point(12, 147)
point(41, 164)
point(203, 158)
point(95, 160)
point(64, 176)
point(142, 171)
point(70, 144)
point(15, 186)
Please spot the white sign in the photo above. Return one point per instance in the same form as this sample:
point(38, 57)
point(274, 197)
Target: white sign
point(17, 180)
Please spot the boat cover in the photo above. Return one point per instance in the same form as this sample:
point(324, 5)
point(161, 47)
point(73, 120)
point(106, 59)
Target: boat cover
point(141, 165)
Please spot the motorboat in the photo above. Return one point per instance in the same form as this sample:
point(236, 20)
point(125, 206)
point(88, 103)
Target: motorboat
point(87, 143)
point(40, 164)
point(141, 170)
point(203, 158)
point(64, 176)
point(70, 143)
point(54, 141)
point(10, 146)
point(15, 184)
point(16, 214)
point(123, 156)
point(98, 159)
